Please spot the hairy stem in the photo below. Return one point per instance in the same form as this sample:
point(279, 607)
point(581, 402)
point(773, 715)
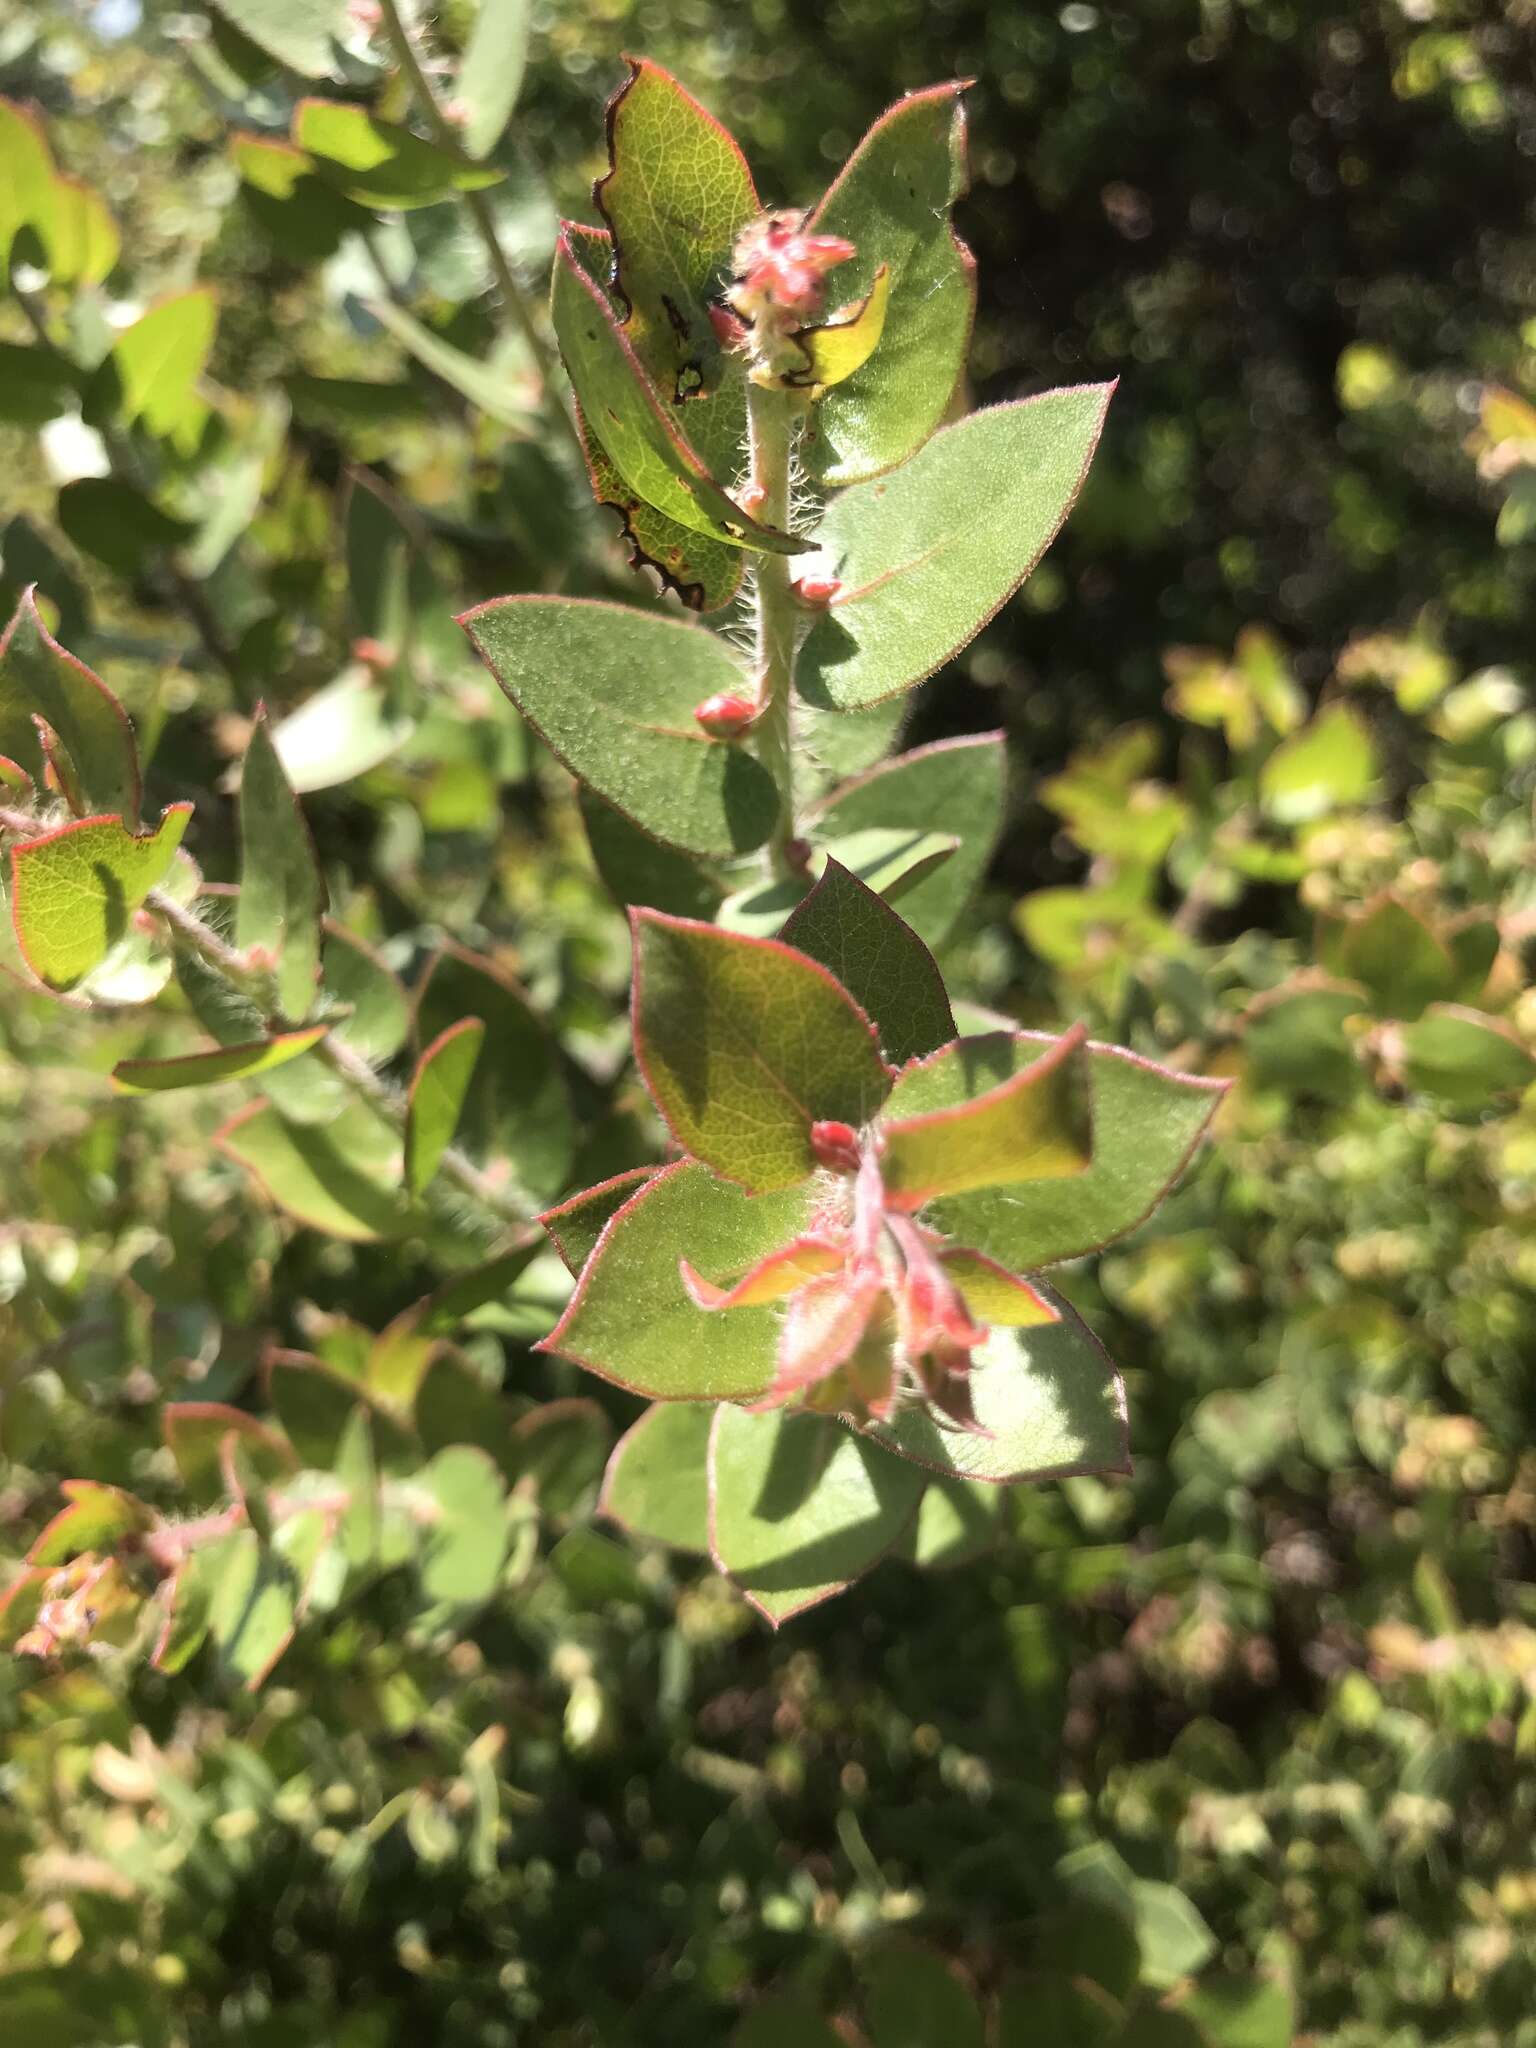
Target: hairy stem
point(479, 208)
point(772, 419)
point(193, 935)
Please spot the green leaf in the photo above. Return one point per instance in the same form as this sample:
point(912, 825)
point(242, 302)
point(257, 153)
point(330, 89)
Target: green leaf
point(517, 1105)
point(301, 34)
point(159, 360)
point(117, 524)
point(637, 869)
point(491, 74)
point(352, 973)
point(342, 1179)
point(35, 386)
point(316, 1407)
point(221, 1063)
point(1067, 2012)
point(281, 892)
point(656, 1487)
point(640, 435)
point(27, 557)
point(1294, 1036)
point(892, 200)
point(1463, 1057)
point(1147, 1121)
point(78, 236)
point(613, 692)
point(706, 574)
point(744, 1044)
point(438, 1089)
point(576, 1225)
point(1175, 1941)
point(74, 891)
point(953, 786)
point(881, 962)
point(630, 1319)
point(785, 2021)
point(677, 195)
point(800, 1507)
point(1242, 2012)
point(379, 164)
point(40, 679)
point(342, 731)
point(957, 1521)
point(195, 1433)
point(253, 1607)
point(97, 1518)
point(562, 1448)
point(888, 862)
point(1032, 1125)
point(1330, 762)
point(915, 2000)
point(499, 395)
point(1400, 962)
point(1048, 1399)
point(465, 1545)
point(920, 573)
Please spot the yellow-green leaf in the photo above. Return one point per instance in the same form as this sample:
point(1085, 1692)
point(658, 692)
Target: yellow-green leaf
point(438, 1088)
point(159, 360)
point(1032, 1126)
point(220, 1063)
point(848, 341)
point(74, 891)
point(379, 164)
point(281, 891)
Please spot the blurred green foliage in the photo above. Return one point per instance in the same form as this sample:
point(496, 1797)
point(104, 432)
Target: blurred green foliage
point(1236, 1752)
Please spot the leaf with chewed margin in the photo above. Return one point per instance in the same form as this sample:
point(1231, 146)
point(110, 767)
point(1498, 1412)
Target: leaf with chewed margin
point(799, 1508)
point(613, 692)
point(74, 891)
point(893, 201)
point(676, 196)
point(744, 1044)
point(631, 1320)
point(642, 437)
point(879, 959)
point(921, 574)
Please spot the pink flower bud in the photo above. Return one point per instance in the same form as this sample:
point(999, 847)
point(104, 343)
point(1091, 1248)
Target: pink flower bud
point(373, 654)
point(835, 1145)
point(729, 331)
point(725, 716)
point(752, 498)
point(780, 267)
point(817, 591)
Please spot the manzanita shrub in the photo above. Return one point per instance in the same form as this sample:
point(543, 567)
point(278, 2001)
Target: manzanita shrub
point(830, 1291)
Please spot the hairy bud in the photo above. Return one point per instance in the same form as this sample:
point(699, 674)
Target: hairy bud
point(835, 1145)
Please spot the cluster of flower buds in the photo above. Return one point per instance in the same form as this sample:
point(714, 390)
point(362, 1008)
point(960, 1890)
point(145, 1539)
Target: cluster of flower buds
point(875, 1311)
point(779, 287)
point(75, 1599)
